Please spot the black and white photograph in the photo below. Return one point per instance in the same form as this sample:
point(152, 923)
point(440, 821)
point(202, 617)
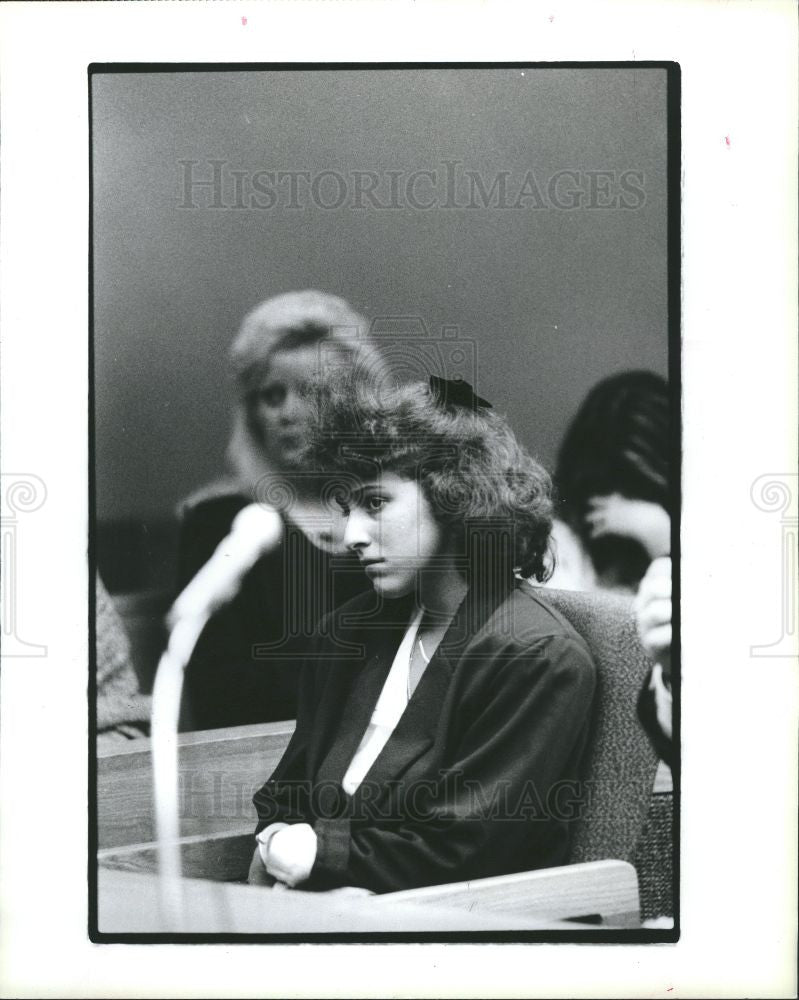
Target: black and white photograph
point(386, 501)
point(399, 426)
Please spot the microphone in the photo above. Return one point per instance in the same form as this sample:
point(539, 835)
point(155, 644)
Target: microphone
point(255, 530)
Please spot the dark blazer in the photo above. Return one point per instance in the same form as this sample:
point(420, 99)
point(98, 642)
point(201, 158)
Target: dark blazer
point(246, 665)
point(481, 775)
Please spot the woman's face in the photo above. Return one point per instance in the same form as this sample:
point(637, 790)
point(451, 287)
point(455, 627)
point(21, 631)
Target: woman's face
point(279, 411)
point(391, 528)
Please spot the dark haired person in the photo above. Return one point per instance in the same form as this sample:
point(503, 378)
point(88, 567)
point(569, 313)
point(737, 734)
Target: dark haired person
point(246, 664)
point(612, 481)
point(443, 716)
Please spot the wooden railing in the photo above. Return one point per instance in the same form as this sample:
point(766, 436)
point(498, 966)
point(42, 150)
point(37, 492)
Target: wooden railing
point(219, 771)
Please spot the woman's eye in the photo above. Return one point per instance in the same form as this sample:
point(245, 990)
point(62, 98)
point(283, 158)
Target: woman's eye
point(273, 395)
point(375, 503)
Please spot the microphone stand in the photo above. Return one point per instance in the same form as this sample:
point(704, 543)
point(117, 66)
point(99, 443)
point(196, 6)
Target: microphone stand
point(167, 693)
point(255, 530)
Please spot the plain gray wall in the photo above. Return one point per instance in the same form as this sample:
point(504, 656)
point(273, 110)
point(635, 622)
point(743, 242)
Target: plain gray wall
point(553, 299)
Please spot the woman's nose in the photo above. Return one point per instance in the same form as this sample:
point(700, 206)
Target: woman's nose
point(291, 408)
point(356, 531)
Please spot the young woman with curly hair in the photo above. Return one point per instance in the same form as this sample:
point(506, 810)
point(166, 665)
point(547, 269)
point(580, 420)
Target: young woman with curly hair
point(443, 715)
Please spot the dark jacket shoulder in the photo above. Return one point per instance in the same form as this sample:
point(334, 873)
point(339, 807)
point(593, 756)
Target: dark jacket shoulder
point(532, 615)
point(525, 631)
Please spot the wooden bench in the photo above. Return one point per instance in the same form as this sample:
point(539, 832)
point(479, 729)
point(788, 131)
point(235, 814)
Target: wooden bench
point(220, 770)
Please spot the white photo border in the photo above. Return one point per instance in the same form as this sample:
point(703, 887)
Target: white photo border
point(739, 711)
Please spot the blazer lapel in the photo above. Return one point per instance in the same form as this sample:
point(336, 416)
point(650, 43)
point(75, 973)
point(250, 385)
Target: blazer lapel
point(355, 712)
point(355, 691)
point(481, 601)
point(416, 729)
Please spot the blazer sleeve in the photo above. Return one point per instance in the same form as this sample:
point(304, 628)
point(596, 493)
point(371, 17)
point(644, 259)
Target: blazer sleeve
point(524, 741)
point(285, 797)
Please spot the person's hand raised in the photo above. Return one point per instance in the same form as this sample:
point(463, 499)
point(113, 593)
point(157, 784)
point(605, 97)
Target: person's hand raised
point(642, 520)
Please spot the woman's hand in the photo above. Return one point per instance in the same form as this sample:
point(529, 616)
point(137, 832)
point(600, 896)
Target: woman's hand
point(653, 613)
point(642, 520)
point(289, 853)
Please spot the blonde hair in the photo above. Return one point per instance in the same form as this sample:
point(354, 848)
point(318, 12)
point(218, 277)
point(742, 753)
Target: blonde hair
point(287, 322)
point(298, 319)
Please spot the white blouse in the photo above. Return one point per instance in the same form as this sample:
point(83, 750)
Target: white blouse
point(390, 706)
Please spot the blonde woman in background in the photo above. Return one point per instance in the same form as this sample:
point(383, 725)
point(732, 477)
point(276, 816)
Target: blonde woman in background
point(245, 666)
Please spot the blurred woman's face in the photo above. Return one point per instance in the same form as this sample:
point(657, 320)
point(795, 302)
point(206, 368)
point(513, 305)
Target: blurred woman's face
point(391, 528)
point(279, 411)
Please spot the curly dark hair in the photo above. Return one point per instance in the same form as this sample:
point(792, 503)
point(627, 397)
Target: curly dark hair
point(477, 478)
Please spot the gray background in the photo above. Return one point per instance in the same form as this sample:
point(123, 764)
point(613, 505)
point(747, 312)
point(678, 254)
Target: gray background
point(552, 299)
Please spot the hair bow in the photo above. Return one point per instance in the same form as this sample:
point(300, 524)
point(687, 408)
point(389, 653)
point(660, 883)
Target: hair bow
point(456, 392)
